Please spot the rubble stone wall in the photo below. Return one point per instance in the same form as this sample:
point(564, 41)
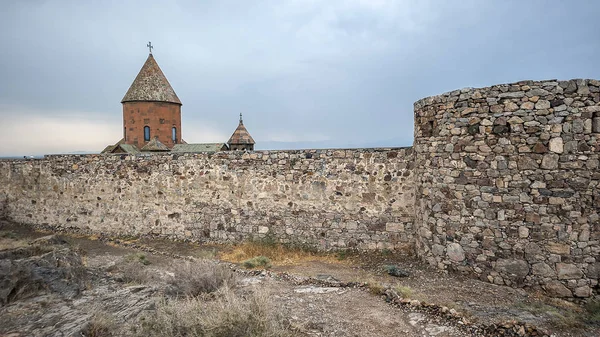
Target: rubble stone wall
point(325, 198)
point(3, 205)
point(508, 183)
point(502, 183)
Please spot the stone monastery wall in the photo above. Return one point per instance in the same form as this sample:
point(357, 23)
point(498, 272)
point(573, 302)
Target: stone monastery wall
point(502, 183)
point(325, 198)
point(508, 183)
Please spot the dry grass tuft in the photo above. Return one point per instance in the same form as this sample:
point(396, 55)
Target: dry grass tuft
point(278, 254)
point(228, 314)
point(201, 277)
point(101, 324)
point(133, 269)
point(134, 272)
point(138, 257)
point(375, 287)
point(560, 315)
point(403, 291)
point(9, 240)
point(593, 310)
point(256, 262)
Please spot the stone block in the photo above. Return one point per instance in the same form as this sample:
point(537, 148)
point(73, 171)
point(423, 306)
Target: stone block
point(394, 227)
point(557, 289)
point(583, 291)
point(525, 162)
point(596, 125)
point(550, 161)
point(558, 248)
point(542, 104)
point(556, 145)
point(515, 120)
point(516, 269)
point(437, 250)
point(425, 233)
point(351, 225)
point(568, 271)
point(527, 106)
point(455, 252)
point(523, 232)
point(543, 270)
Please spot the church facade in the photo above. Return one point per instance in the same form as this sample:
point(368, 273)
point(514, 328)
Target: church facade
point(152, 119)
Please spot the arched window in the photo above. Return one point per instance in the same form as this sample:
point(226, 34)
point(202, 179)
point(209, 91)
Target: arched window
point(174, 134)
point(146, 133)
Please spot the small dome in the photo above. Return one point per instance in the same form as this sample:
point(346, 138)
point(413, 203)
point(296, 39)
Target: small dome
point(241, 136)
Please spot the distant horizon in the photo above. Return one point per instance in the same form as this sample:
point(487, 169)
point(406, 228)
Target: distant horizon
point(271, 146)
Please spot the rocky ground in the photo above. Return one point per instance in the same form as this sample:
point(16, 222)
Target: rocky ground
point(64, 285)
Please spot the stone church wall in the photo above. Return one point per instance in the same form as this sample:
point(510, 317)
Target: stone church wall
point(325, 198)
point(508, 183)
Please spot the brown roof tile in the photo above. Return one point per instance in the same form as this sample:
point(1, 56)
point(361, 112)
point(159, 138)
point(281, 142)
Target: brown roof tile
point(154, 146)
point(151, 85)
point(195, 148)
point(241, 135)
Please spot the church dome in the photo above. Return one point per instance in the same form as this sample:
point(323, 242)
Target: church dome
point(151, 85)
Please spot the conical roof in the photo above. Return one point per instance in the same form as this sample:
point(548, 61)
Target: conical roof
point(151, 85)
point(241, 135)
point(154, 146)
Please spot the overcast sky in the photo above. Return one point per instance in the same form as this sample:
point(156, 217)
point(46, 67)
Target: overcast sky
point(337, 73)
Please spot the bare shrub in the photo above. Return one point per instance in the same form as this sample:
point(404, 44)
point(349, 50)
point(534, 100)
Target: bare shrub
point(201, 277)
point(133, 269)
point(134, 272)
point(228, 314)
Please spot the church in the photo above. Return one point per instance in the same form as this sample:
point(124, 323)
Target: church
point(152, 119)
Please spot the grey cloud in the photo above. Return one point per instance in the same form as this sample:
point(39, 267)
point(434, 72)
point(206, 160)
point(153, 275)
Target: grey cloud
point(344, 71)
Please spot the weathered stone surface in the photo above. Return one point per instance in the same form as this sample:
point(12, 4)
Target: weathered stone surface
point(556, 145)
point(584, 291)
point(394, 227)
point(557, 289)
point(542, 269)
point(31, 269)
point(593, 270)
point(596, 124)
point(532, 198)
point(329, 199)
point(513, 268)
point(455, 252)
point(567, 271)
point(542, 104)
point(523, 232)
point(558, 248)
point(550, 161)
point(527, 163)
point(438, 250)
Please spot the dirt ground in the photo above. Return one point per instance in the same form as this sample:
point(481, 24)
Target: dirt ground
point(322, 296)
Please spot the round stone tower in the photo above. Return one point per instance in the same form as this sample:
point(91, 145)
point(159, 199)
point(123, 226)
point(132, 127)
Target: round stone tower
point(151, 109)
point(508, 184)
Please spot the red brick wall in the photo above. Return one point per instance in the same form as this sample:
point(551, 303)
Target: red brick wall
point(159, 116)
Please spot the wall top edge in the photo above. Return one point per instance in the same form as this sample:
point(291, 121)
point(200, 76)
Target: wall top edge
point(236, 154)
point(504, 87)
